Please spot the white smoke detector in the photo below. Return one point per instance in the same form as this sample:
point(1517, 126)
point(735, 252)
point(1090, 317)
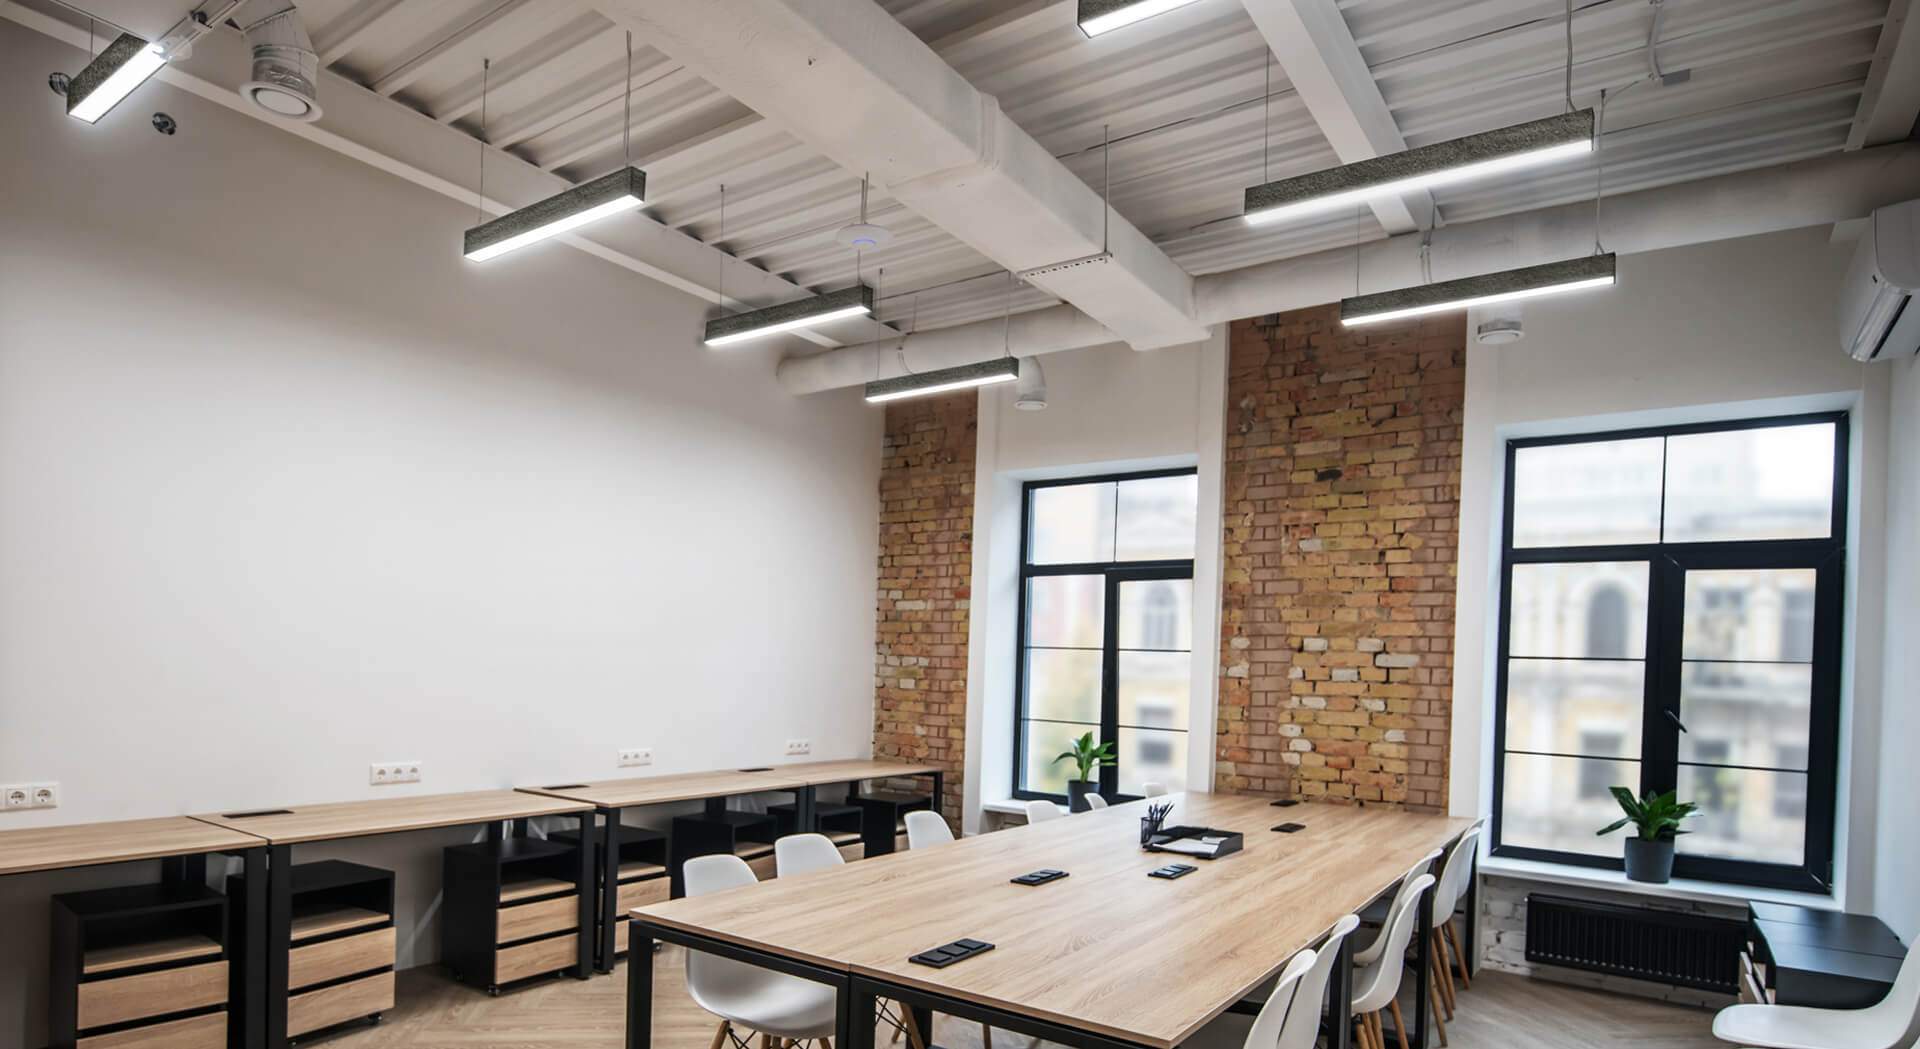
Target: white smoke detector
point(864, 236)
point(285, 67)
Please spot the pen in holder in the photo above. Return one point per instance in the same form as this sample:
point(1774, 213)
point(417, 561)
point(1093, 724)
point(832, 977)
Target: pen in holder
point(1151, 822)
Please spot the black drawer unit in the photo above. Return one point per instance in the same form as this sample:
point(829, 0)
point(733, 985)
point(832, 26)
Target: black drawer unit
point(144, 964)
point(838, 821)
point(512, 910)
point(341, 948)
point(1801, 956)
point(883, 823)
point(643, 873)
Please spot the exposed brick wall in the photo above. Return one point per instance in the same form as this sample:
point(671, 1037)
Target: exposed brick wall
point(926, 571)
point(1342, 512)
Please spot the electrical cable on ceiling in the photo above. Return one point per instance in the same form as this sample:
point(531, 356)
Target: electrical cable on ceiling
point(1266, 114)
point(1006, 321)
point(626, 109)
point(720, 292)
point(1569, 78)
point(480, 206)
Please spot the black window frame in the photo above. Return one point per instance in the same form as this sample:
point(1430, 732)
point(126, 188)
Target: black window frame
point(1114, 573)
point(1668, 564)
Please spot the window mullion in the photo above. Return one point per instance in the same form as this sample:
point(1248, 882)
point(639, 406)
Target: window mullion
point(1110, 681)
point(1666, 625)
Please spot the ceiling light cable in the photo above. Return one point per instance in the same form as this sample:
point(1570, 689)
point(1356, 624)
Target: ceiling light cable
point(626, 108)
point(720, 292)
point(1106, 185)
point(1569, 76)
point(1266, 114)
point(480, 206)
point(1006, 321)
point(1599, 167)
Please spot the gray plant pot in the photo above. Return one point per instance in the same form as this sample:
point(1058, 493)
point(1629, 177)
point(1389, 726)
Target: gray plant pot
point(1077, 791)
point(1649, 861)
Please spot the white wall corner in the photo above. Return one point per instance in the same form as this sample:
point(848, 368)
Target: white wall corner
point(986, 454)
point(1210, 441)
point(1470, 776)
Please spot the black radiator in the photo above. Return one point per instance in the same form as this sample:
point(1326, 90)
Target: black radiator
point(1685, 950)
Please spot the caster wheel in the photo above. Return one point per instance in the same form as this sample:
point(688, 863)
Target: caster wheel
point(376, 1017)
point(493, 992)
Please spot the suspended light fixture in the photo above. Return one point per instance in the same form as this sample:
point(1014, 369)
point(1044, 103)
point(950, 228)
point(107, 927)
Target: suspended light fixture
point(1594, 271)
point(980, 373)
point(1441, 164)
point(1102, 16)
point(112, 76)
point(847, 302)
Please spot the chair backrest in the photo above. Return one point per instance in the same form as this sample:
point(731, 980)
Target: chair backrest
point(1895, 1020)
point(1095, 801)
point(1282, 1004)
point(1454, 874)
point(800, 853)
point(1371, 952)
point(1375, 986)
point(1040, 810)
point(1302, 1026)
point(927, 828)
point(1151, 789)
point(705, 874)
point(709, 977)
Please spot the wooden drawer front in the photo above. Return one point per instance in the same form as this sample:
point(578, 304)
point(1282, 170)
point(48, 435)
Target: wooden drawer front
point(535, 959)
point(327, 1006)
point(620, 937)
point(900, 842)
point(531, 919)
point(764, 867)
point(332, 959)
point(126, 998)
point(855, 851)
point(197, 1032)
point(640, 893)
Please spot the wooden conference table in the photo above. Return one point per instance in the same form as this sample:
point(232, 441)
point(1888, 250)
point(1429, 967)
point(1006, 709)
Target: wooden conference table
point(1106, 958)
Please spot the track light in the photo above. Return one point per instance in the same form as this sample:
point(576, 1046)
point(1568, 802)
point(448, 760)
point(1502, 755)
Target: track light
point(611, 194)
point(1101, 16)
point(982, 373)
point(1594, 271)
point(112, 76)
point(802, 313)
point(1441, 164)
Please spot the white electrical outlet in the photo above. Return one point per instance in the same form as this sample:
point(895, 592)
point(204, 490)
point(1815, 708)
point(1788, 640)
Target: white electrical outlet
point(394, 772)
point(44, 795)
point(633, 756)
point(16, 796)
point(799, 746)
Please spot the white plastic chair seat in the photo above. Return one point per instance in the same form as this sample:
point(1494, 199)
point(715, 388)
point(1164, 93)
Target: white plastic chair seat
point(1040, 810)
point(783, 1006)
point(1375, 985)
point(927, 828)
point(1892, 1023)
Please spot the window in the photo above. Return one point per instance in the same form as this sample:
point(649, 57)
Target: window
point(1106, 624)
point(1670, 620)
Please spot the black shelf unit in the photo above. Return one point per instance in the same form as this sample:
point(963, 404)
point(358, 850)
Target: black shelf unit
point(838, 821)
point(138, 962)
point(644, 875)
point(884, 815)
point(511, 910)
point(748, 835)
point(340, 958)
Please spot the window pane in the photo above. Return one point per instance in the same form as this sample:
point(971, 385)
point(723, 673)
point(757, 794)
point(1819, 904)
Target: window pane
point(1746, 713)
point(1558, 803)
point(1775, 482)
point(1588, 494)
point(1066, 611)
point(1063, 684)
point(1741, 814)
point(1153, 689)
point(1072, 524)
point(1157, 614)
point(1586, 707)
point(1149, 756)
point(1045, 741)
point(1591, 610)
point(1158, 518)
point(1748, 614)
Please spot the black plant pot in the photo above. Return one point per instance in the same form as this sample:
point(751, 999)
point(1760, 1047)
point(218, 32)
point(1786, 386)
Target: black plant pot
point(1649, 861)
point(1077, 791)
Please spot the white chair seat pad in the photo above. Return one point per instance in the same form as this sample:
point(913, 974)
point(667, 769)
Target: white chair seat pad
point(784, 1006)
point(1794, 1027)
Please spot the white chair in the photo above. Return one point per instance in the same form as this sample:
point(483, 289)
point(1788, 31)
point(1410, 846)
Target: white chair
point(927, 828)
point(1151, 789)
point(1289, 1000)
point(1446, 896)
point(1371, 952)
point(1377, 986)
point(1040, 810)
point(1893, 1023)
point(1095, 801)
point(801, 853)
point(774, 1004)
point(1302, 1026)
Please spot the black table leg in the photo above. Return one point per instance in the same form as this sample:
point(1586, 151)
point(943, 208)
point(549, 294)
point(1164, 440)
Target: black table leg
point(610, 888)
point(939, 795)
point(583, 887)
point(1340, 1007)
point(639, 989)
point(1469, 936)
point(496, 831)
point(279, 940)
point(853, 1016)
point(805, 814)
point(1425, 961)
point(190, 869)
point(248, 987)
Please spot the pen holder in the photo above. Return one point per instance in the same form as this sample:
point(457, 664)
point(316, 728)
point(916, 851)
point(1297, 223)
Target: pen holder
point(1149, 826)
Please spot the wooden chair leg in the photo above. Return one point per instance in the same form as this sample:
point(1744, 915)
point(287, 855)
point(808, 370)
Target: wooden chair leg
point(986, 1035)
point(1438, 1020)
point(914, 1037)
point(1442, 972)
point(826, 1043)
point(720, 1034)
point(1453, 937)
point(1363, 1032)
point(1399, 1024)
point(1379, 1032)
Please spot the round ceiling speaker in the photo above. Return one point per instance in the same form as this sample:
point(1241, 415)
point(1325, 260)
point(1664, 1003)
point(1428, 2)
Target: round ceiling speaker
point(1500, 332)
point(864, 236)
point(285, 68)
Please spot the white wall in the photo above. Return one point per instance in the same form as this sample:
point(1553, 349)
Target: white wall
point(287, 487)
point(1109, 409)
point(1899, 853)
point(1727, 330)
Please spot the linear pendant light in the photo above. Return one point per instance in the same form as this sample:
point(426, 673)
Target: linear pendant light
point(801, 313)
point(611, 194)
point(980, 373)
point(1594, 271)
point(1101, 16)
point(1441, 164)
point(112, 76)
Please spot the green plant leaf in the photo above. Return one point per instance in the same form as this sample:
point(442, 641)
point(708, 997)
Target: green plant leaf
point(1614, 826)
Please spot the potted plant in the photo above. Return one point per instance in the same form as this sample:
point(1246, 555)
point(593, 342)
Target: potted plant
point(1086, 757)
point(1657, 818)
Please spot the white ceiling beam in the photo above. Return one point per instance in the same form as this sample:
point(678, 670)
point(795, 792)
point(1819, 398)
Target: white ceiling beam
point(1313, 45)
point(1890, 104)
point(525, 62)
point(397, 78)
point(861, 89)
point(344, 34)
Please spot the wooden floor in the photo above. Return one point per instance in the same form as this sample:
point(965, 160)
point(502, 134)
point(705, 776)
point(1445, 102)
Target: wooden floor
point(1501, 1012)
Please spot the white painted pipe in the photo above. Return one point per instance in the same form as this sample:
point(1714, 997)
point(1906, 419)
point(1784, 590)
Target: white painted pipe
point(1814, 192)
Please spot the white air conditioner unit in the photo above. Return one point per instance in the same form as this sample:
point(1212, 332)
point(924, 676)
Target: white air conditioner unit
point(1878, 319)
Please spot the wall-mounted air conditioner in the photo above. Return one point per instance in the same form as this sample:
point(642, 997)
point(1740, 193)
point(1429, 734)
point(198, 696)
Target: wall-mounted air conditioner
point(1878, 318)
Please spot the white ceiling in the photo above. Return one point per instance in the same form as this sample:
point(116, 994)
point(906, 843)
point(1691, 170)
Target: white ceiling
point(1772, 81)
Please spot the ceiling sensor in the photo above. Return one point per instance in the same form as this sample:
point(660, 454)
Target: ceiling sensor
point(864, 236)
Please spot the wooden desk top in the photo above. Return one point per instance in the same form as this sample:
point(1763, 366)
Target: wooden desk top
point(1092, 950)
point(720, 783)
point(353, 819)
point(85, 844)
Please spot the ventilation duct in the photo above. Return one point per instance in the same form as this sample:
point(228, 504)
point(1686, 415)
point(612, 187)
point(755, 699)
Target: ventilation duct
point(285, 67)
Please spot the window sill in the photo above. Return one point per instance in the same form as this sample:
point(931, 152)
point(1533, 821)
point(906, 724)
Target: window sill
point(1006, 808)
point(1678, 889)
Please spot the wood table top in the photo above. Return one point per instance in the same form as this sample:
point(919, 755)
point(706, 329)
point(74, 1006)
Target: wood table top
point(720, 783)
point(353, 819)
point(86, 844)
point(1106, 949)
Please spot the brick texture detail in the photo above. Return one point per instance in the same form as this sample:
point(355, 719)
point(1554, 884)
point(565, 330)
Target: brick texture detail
point(926, 571)
point(1342, 513)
